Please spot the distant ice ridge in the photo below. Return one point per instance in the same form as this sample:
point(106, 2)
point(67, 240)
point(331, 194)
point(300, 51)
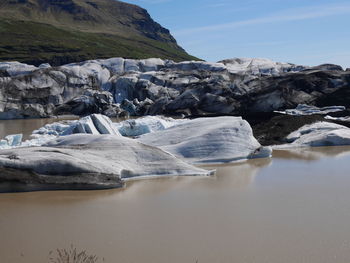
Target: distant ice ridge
point(209, 140)
point(303, 109)
point(103, 69)
point(257, 66)
point(318, 134)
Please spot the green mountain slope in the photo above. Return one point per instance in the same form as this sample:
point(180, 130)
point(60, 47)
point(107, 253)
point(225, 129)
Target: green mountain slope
point(63, 31)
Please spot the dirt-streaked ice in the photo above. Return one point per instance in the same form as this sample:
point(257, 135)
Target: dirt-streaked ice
point(209, 140)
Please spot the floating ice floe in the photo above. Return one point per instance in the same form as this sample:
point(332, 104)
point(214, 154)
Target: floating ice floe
point(303, 109)
point(92, 124)
point(89, 162)
point(204, 140)
point(209, 140)
point(145, 125)
point(318, 134)
point(346, 119)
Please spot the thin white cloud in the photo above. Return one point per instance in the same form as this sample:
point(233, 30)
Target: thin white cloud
point(285, 16)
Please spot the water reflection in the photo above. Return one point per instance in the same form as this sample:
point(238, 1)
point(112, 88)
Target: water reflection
point(312, 154)
point(228, 176)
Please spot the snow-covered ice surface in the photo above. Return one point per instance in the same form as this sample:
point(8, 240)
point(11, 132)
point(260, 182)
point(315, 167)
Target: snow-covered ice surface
point(99, 161)
point(209, 140)
point(257, 66)
point(16, 68)
point(148, 124)
point(318, 134)
point(303, 109)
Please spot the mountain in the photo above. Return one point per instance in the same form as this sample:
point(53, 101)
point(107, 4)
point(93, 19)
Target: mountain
point(63, 31)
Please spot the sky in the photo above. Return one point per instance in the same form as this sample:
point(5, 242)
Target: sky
point(307, 32)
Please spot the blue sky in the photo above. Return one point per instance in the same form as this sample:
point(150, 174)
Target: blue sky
point(308, 32)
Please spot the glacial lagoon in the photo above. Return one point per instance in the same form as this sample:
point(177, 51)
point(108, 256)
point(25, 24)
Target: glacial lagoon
point(291, 208)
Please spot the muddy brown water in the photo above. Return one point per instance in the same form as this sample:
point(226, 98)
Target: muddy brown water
point(291, 208)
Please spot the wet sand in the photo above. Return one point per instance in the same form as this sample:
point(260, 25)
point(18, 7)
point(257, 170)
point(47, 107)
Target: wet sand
point(292, 208)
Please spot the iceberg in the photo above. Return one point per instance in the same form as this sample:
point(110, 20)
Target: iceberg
point(318, 134)
point(209, 140)
point(82, 161)
point(92, 124)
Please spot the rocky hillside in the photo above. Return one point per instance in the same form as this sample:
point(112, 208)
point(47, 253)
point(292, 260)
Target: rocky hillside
point(64, 31)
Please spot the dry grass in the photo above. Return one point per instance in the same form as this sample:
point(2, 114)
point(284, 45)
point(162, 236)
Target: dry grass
point(71, 255)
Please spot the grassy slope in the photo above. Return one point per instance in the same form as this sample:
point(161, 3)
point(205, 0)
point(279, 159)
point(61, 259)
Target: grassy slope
point(74, 31)
point(36, 43)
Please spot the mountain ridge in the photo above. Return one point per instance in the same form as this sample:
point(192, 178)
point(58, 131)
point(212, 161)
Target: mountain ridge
point(63, 31)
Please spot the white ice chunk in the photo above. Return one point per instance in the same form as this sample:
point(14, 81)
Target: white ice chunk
point(38, 140)
point(85, 125)
point(303, 109)
point(318, 134)
point(145, 125)
point(4, 144)
point(346, 119)
point(14, 139)
point(209, 140)
point(16, 68)
point(104, 124)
